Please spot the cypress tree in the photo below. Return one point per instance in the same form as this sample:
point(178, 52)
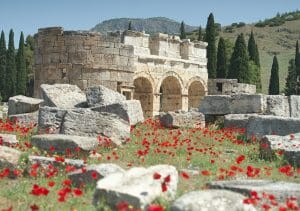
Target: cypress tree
point(210, 38)
point(129, 26)
point(11, 74)
point(239, 62)
point(291, 80)
point(221, 59)
point(182, 31)
point(274, 79)
point(21, 68)
point(256, 58)
point(2, 65)
point(251, 47)
point(200, 35)
point(297, 60)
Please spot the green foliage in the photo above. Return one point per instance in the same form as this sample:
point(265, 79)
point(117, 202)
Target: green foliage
point(279, 20)
point(11, 70)
point(200, 35)
point(291, 80)
point(21, 68)
point(182, 31)
point(255, 75)
point(2, 64)
point(274, 79)
point(210, 37)
point(241, 24)
point(239, 67)
point(129, 26)
point(221, 59)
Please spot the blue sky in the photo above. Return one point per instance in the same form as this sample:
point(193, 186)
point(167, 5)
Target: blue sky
point(29, 15)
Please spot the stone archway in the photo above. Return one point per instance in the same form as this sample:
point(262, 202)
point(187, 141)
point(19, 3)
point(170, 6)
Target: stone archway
point(196, 91)
point(170, 94)
point(144, 93)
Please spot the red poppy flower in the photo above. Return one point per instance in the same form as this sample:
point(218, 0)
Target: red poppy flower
point(77, 192)
point(184, 175)
point(156, 176)
point(240, 159)
point(51, 183)
point(34, 207)
point(155, 207)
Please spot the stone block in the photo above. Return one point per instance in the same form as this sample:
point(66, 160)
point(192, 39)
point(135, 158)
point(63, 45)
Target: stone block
point(216, 104)
point(272, 125)
point(26, 118)
point(277, 105)
point(295, 106)
point(9, 158)
point(45, 161)
point(237, 120)
point(8, 139)
point(62, 96)
point(247, 103)
point(21, 104)
point(129, 110)
point(182, 119)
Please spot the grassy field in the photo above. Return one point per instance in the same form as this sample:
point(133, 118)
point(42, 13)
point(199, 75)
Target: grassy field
point(279, 40)
point(200, 155)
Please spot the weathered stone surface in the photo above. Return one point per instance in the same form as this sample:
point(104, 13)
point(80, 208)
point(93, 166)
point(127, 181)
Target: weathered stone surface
point(101, 96)
point(237, 120)
point(268, 125)
point(8, 139)
point(277, 105)
point(9, 157)
point(85, 122)
point(62, 142)
point(50, 119)
point(211, 200)
point(216, 104)
point(26, 118)
point(137, 186)
point(180, 118)
point(295, 106)
point(290, 144)
point(62, 95)
point(129, 110)
point(21, 104)
point(80, 177)
point(45, 161)
point(281, 190)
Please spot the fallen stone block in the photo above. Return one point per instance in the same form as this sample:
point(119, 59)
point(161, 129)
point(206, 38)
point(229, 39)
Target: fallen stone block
point(272, 125)
point(137, 186)
point(9, 158)
point(8, 139)
point(237, 120)
point(62, 142)
point(281, 190)
point(129, 110)
point(25, 119)
point(295, 106)
point(215, 104)
point(91, 174)
point(62, 96)
point(21, 104)
point(50, 119)
point(85, 122)
point(182, 119)
point(101, 96)
point(277, 105)
point(45, 161)
point(290, 145)
point(211, 200)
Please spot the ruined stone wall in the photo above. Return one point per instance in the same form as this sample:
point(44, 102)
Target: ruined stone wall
point(82, 58)
point(229, 87)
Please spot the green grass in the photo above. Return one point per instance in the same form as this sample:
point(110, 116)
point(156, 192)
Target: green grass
point(210, 149)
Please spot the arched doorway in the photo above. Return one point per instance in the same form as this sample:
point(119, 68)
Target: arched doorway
point(144, 93)
point(170, 90)
point(195, 94)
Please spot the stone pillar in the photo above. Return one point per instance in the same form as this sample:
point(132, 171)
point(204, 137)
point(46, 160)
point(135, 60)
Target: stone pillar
point(156, 103)
point(185, 102)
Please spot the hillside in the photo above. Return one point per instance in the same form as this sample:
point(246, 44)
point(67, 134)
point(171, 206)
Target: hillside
point(279, 40)
point(149, 25)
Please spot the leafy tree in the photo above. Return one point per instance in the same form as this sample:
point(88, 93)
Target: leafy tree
point(239, 67)
point(210, 38)
point(21, 68)
point(291, 80)
point(221, 59)
point(129, 26)
point(200, 35)
point(274, 79)
point(182, 31)
point(11, 71)
point(2, 64)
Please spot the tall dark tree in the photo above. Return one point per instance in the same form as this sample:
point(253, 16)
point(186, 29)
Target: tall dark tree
point(297, 60)
point(129, 26)
point(221, 59)
point(21, 68)
point(11, 70)
point(200, 35)
point(210, 38)
point(252, 47)
point(239, 62)
point(274, 79)
point(182, 31)
point(2, 65)
point(291, 80)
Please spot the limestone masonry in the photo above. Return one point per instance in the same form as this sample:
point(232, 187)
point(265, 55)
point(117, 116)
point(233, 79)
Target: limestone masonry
point(162, 71)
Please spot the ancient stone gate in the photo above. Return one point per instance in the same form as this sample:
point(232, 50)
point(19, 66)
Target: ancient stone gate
point(162, 71)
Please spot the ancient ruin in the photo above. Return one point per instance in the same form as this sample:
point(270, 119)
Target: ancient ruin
point(162, 71)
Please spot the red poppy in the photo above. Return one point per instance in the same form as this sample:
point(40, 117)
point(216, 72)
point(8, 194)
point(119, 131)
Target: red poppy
point(240, 159)
point(67, 182)
point(77, 192)
point(51, 183)
point(94, 175)
point(156, 176)
point(34, 207)
point(155, 207)
point(184, 175)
